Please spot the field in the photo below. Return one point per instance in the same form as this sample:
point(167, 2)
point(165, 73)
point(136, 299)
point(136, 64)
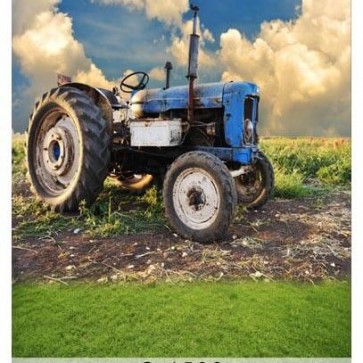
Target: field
point(296, 250)
point(302, 233)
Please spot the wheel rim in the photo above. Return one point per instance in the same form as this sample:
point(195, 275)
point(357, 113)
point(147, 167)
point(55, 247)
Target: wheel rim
point(250, 184)
point(57, 152)
point(196, 198)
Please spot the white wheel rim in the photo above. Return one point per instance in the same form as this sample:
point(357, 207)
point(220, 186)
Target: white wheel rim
point(196, 198)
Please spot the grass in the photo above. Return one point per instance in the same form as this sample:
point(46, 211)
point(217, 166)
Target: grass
point(328, 160)
point(303, 167)
point(118, 212)
point(291, 185)
point(115, 212)
point(243, 319)
point(225, 319)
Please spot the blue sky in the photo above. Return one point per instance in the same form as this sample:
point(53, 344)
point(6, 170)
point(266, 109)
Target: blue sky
point(118, 37)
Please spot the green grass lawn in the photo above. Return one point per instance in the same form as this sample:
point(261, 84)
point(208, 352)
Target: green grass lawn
point(233, 319)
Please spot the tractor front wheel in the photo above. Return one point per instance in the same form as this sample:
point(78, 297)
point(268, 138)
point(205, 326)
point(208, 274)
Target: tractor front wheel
point(255, 186)
point(67, 149)
point(199, 196)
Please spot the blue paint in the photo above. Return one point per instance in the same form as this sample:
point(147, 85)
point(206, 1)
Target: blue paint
point(234, 94)
point(230, 96)
point(243, 155)
point(159, 100)
point(56, 151)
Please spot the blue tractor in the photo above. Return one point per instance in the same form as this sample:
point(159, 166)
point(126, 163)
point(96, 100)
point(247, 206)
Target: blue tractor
point(200, 140)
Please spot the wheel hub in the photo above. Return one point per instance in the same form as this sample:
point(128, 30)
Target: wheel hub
point(196, 198)
point(58, 151)
point(250, 182)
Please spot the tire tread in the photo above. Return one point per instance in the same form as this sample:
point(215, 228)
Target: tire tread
point(96, 149)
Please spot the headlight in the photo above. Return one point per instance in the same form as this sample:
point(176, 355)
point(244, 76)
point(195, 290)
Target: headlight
point(249, 132)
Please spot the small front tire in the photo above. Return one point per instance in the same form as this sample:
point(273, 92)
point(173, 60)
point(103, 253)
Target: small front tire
point(254, 188)
point(199, 196)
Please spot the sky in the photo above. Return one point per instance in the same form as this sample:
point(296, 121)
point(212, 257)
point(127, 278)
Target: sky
point(297, 51)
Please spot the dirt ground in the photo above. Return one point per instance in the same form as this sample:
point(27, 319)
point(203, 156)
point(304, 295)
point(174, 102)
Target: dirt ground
point(307, 239)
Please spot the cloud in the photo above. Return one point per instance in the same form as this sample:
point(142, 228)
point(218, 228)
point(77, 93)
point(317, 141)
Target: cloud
point(94, 76)
point(157, 74)
point(179, 47)
point(167, 11)
point(170, 12)
point(302, 67)
point(43, 45)
point(208, 36)
point(24, 12)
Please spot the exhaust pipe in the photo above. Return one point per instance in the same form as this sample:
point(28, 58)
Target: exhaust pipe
point(193, 62)
point(168, 67)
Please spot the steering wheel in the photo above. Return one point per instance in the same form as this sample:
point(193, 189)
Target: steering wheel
point(128, 88)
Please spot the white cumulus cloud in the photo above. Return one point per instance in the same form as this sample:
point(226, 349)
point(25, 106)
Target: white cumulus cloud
point(179, 47)
point(167, 11)
point(44, 45)
point(157, 73)
point(170, 12)
point(302, 67)
point(25, 12)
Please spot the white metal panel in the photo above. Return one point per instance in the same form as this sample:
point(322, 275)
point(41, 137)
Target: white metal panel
point(156, 133)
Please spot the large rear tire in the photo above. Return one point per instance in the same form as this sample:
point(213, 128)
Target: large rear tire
point(135, 183)
point(254, 188)
point(199, 196)
point(68, 149)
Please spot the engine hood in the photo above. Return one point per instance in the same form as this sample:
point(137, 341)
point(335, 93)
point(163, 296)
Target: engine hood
point(209, 95)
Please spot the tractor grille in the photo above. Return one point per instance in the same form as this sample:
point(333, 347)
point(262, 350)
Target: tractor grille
point(250, 121)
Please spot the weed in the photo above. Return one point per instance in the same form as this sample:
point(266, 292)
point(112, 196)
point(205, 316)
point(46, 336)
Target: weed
point(325, 159)
point(240, 213)
point(18, 157)
point(33, 218)
point(121, 214)
point(153, 202)
point(335, 174)
point(289, 185)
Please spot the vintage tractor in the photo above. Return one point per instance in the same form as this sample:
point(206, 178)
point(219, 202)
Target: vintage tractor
point(199, 140)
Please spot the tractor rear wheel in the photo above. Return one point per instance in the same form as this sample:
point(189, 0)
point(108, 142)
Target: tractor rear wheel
point(68, 149)
point(254, 187)
point(199, 196)
point(135, 183)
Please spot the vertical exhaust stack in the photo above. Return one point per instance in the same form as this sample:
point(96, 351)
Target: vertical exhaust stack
point(193, 62)
point(168, 67)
